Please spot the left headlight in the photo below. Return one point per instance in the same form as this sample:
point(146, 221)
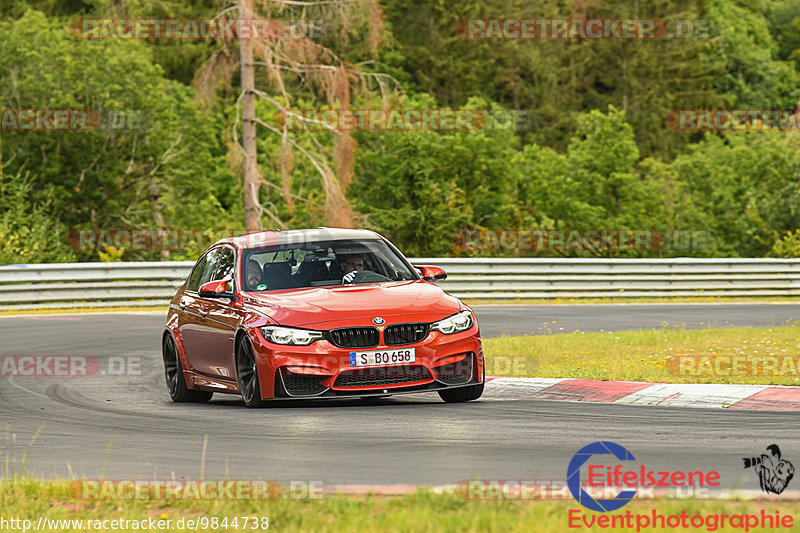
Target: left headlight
point(297, 337)
point(453, 324)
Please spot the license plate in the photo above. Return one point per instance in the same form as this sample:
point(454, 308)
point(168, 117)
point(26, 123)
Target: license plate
point(383, 357)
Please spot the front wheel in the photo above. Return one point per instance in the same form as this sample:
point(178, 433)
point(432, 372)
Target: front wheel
point(462, 394)
point(248, 374)
point(176, 382)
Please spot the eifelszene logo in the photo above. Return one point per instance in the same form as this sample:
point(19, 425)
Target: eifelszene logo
point(774, 473)
point(574, 476)
point(600, 475)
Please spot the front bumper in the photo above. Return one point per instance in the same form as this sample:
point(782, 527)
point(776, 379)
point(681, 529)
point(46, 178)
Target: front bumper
point(323, 370)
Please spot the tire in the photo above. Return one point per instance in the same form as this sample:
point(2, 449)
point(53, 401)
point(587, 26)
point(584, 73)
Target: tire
point(247, 375)
point(462, 394)
point(176, 382)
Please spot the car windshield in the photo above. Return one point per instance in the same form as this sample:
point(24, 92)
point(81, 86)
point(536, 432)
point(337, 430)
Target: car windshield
point(322, 263)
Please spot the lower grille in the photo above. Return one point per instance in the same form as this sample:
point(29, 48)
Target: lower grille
point(300, 385)
point(353, 337)
point(405, 333)
point(385, 375)
point(455, 373)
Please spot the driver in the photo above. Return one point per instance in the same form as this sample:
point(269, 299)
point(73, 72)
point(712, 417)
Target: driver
point(351, 266)
point(253, 274)
point(352, 263)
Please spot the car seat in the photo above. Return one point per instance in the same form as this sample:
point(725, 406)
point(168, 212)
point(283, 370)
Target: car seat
point(311, 271)
point(278, 276)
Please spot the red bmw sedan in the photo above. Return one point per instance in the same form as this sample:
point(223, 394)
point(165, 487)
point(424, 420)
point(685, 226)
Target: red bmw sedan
point(323, 313)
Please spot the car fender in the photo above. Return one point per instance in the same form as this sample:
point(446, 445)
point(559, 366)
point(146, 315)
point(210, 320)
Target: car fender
point(171, 328)
point(265, 368)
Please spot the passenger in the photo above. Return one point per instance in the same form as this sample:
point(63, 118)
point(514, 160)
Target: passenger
point(253, 275)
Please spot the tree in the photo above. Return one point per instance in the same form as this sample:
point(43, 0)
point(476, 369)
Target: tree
point(252, 208)
point(748, 185)
point(555, 80)
point(596, 184)
point(754, 77)
point(423, 188)
point(290, 70)
point(145, 163)
point(28, 232)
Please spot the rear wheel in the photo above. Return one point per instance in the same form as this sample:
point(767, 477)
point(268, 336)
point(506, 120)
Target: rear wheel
point(462, 394)
point(247, 374)
point(176, 382)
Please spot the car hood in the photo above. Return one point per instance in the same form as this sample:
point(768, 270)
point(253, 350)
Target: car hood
point(338, 306)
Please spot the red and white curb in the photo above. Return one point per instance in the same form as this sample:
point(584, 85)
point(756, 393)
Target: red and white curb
point(764, 397)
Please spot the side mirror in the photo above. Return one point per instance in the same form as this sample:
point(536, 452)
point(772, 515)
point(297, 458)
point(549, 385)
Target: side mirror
point(431, 273)
point(216, 289)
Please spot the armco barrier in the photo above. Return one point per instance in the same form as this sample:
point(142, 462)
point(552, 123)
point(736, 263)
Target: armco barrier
point(154, 283)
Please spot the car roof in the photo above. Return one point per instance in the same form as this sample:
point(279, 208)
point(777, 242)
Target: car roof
point(278, 237)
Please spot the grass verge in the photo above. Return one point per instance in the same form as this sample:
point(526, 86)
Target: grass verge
point(630, 300)
point(71, 310)
point(652, 355)
point(423, 511)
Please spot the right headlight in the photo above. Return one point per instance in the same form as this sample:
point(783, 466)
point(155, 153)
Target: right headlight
point(454, 324)
point(295, 336)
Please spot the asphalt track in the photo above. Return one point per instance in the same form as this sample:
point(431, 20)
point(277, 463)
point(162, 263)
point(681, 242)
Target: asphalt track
point(124, 426)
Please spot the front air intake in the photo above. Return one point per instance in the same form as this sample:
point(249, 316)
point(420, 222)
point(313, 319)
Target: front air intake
point(382, 376)
point(456, 373)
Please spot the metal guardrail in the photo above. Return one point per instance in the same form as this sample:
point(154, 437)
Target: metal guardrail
point(154, 283)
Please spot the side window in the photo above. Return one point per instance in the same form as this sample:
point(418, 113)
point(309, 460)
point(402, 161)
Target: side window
point(217, 264)
point(208, 269)
point(223, 267)
point(194, 284)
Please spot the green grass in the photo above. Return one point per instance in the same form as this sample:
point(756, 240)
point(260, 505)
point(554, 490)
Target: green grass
point(423, 511)
point(647, 355)
point(630, 300)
